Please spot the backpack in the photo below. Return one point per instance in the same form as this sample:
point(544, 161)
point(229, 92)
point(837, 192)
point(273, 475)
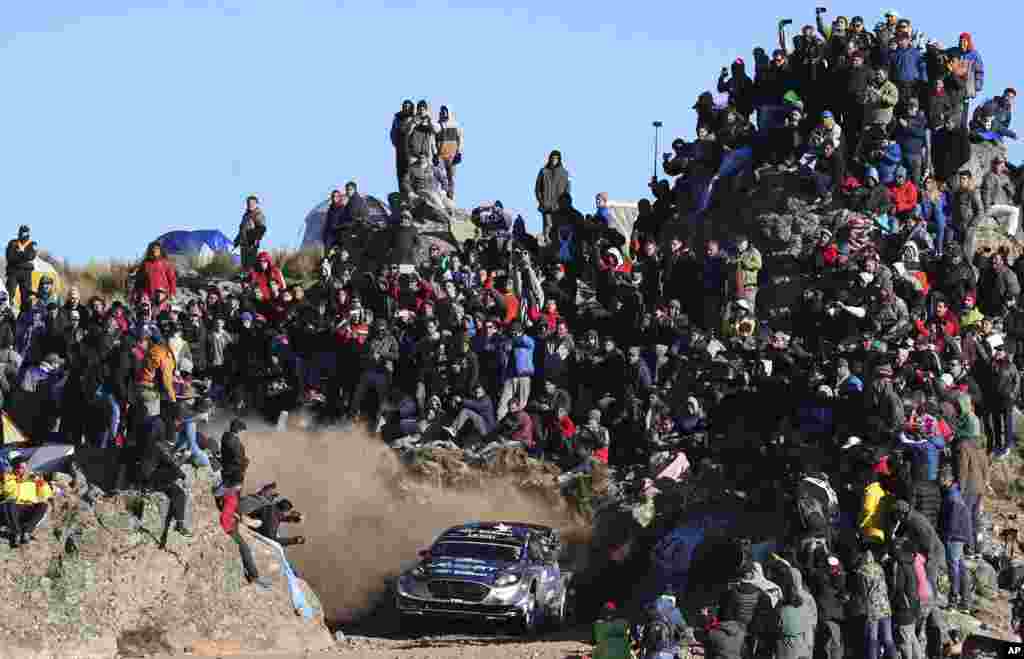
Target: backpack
point(811, 513)
point(612, 639)
point(663, 632)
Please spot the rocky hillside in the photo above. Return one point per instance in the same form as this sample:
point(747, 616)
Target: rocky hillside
point(119, 595)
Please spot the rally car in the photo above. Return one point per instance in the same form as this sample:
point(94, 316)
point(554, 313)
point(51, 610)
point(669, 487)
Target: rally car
point(497, 571)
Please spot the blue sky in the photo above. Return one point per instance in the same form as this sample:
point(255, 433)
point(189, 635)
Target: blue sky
point(123, 120)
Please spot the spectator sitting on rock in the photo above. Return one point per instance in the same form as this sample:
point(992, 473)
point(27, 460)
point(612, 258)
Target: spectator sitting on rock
point(998, 195)
point(1001, 109)
point(26, 497)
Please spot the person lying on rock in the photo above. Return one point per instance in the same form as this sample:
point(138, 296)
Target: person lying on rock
point(271, 509)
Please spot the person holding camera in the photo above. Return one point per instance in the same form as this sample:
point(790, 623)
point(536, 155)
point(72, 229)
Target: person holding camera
point(734, 81)
point(421, 135)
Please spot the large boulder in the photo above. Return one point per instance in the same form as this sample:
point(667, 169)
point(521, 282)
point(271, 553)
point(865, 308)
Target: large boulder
point(113, 592)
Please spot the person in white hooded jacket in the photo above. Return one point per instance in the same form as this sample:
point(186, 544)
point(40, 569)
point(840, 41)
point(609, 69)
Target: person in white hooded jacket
point(449, 146)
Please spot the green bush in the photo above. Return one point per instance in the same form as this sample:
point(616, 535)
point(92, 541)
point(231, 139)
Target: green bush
point(221, 266)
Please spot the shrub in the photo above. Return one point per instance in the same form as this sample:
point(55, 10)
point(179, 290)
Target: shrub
point(221, 266)
point(299, 266)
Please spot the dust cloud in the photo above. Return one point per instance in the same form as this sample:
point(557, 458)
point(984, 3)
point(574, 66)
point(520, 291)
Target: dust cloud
point(359, 531)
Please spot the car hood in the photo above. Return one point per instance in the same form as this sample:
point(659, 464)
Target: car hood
point(467, 569)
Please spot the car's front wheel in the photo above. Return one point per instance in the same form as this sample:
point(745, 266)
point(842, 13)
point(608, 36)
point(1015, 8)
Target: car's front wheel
point(556, 614)
point(528, 620)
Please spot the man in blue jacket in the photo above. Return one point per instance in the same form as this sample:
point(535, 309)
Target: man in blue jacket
point(1001, 110)
point(910, 133)
point(907, 67)
point(518, 369)
point(955, 530)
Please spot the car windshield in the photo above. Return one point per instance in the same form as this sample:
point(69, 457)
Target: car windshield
point(479, 550)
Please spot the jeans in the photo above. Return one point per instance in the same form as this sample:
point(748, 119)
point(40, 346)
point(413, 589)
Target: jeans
point(914, 163)
point(954, 563)
point(973, 503)
point(378, 379)
point(19, 281)
point(449, 169)
point(822, 184)
point(188, 438)
point(517, 387)
point(908, 643)
point(469, 416)
point(876, 632)
point(106, 437)
point(1007, 216)
point(1001, 421)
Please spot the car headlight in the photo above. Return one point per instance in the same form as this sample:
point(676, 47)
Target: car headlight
point(506, 580)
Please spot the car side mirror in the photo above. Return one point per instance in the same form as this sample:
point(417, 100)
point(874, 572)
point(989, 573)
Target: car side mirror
point(424, 554)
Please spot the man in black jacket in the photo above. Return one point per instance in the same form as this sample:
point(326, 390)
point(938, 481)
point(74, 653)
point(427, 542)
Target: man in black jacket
point(405, 238)
point(21, 255)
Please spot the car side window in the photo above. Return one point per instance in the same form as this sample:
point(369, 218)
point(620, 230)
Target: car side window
point(534, 550)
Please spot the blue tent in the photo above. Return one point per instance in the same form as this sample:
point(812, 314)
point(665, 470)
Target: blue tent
point(188, 243)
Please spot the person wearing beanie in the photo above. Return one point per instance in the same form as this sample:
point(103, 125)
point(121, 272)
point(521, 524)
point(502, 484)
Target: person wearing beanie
point(21, 256)
point(552, 183)
point(735, 82)
point(449, 145)
point(971, 70)
point(904, 194)
point(400, 126)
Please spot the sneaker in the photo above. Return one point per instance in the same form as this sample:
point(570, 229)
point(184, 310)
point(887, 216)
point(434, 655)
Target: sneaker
point(263, 583)
point(450, 430)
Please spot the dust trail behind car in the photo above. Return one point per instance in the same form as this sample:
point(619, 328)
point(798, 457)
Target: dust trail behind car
point(359, 530)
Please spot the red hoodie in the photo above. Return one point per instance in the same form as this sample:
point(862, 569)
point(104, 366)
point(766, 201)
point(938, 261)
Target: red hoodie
point(262, 278)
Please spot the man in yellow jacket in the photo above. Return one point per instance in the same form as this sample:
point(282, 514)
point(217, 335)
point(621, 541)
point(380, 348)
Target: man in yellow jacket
point(26, 497)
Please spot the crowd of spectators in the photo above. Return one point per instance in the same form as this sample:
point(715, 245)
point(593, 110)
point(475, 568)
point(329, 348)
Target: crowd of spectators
point(894, 383)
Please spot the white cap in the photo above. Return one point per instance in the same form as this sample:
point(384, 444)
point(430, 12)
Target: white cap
point(850, 443)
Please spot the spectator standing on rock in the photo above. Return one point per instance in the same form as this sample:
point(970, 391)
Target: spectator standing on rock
point(234, 464)
point(968, 209)
point(421, 136)
point(449, 146)
point(156, 273)
point(956, 532)
point(333, 218)
point(552, 183)
point(250, 231)
point(21, 256)
point(972, 72)
point(400, 126)
point(880, 99)
point(748, 269)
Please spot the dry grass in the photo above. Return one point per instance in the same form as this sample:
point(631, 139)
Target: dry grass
point(109, 279)
point(298, 266)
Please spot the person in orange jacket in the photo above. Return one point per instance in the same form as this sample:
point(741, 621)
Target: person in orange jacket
point(25, 501)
